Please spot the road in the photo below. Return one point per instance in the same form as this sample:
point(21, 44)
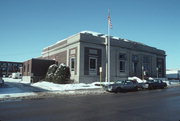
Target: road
point(153, 105)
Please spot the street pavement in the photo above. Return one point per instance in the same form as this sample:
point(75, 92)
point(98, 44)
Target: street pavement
point(150, 105)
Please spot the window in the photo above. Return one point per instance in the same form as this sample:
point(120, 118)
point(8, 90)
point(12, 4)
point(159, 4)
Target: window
point(92, 66)
point(122, 66)
point(92, 63)
point(134, 67)
point(122, 56)
point(146, 66)
point(146, 63)
point(9, 64)
point(3, 69)
point(14, 64)
point(4, 64)
point(72, 64)
point(146, 59)
point(20, 65)
point(135, 58)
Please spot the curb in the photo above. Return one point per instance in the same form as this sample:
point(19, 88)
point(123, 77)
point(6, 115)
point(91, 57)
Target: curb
point(48, 94)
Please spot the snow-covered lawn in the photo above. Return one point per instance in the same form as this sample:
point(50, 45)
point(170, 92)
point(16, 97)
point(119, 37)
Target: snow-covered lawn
point(64, 87)
point(11, 90)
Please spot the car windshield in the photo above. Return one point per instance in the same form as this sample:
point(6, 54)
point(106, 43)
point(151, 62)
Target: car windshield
point(157, 80)
point(119, 82)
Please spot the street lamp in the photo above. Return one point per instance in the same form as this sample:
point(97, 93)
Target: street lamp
point(157, 70)
point(179, 75)
point(142, 72)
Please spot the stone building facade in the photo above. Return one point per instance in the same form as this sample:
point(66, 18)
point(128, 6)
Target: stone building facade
point(85, 52)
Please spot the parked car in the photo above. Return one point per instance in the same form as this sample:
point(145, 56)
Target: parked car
point(141, 85)
point(16, 75)
point(1, 81)
point(156, 84)
point(121, 85)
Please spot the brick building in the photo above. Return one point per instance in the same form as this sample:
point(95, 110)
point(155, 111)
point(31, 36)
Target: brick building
point(35, 69)
point(7, 68)
point(85, 52)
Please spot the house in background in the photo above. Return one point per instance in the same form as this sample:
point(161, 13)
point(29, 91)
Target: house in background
point(7, 68)
point(35, 69)
point(85, 52)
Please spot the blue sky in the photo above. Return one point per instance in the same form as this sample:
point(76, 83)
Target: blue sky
point(27, 26)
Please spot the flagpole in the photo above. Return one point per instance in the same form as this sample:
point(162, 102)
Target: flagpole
point(108, 47)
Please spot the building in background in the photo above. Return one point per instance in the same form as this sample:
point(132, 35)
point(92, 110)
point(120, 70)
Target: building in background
point(7, 68)
point(85, 53)
point(35, 69)
point(173, 74)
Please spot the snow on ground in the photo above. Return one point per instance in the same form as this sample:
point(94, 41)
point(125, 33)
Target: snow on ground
point(12, 80)
point(12, 91)
point(63, 87)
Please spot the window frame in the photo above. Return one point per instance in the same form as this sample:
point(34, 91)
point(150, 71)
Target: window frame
point(72, 58)
point(123, 67)
point(93, 69)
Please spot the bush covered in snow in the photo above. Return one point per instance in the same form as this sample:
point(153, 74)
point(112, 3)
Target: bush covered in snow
point(58, 74)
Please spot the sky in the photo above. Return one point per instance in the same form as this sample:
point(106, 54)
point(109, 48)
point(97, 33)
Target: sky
point(28, 26)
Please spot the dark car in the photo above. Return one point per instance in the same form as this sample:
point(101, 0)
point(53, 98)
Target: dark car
point(141, 85)
point(156, 84)
point(121, 85)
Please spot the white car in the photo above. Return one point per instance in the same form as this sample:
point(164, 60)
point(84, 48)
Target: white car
point(1, 81)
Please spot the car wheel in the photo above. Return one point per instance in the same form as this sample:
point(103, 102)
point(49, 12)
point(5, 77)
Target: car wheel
point(136, 88)
point(150, 87)
point(162, 87)
point(118, 89)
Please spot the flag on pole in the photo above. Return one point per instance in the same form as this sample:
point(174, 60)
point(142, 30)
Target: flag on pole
point(109, 20)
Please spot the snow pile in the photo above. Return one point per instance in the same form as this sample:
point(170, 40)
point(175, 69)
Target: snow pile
point(63, 87)
point(137, 79)
point(11, 80)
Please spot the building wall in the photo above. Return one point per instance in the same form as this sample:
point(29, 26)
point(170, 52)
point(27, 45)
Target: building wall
point(85, 75)
point(27, 68)
point(64, 52)
point(60, 57)
point(115, 63)
point(7, 68)
point(35, 69)
point(84, 49)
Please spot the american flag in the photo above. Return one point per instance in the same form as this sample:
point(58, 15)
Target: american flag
point(109, 21)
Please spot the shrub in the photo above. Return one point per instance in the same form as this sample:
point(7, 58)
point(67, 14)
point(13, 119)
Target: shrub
point(50, 73)
point(58, 74)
